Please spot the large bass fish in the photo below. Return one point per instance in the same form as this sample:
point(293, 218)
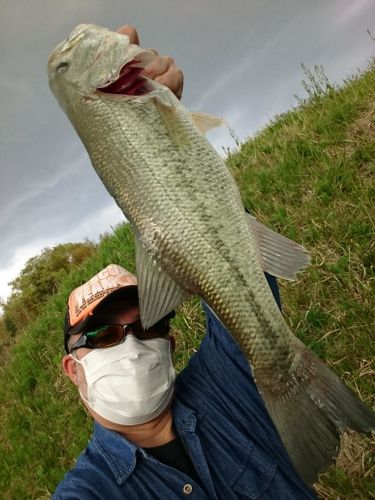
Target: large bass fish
point(193, 235)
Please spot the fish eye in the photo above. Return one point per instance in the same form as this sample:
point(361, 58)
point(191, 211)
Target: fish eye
point(63, 66)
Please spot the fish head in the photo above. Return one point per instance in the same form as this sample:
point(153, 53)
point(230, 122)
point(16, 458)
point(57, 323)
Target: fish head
point(94, 63)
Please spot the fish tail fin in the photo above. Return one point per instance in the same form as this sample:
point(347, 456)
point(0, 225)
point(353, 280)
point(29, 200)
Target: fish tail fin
point(312, 413)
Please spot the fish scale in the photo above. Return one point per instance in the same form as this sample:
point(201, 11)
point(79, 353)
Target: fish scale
point(193, 236)
point(159, 175)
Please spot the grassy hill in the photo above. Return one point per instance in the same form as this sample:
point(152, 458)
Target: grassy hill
point(308, 175)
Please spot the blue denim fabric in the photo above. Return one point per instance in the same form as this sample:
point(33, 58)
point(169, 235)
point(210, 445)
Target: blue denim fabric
point(222, 421)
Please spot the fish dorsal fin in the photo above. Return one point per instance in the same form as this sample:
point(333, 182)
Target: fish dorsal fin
point(280, 256)
point(205, 122)
point(158, 293)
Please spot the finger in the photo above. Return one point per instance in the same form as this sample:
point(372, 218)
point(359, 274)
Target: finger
point(157, 67)
point(173, 78)
point(131, 32)
point(165, 71)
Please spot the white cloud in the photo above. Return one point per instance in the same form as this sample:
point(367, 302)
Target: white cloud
point(263, 42)
point(21, 255)
point(241, 66)
point(12, 85)
point(99, 223)
point(36, 188)
point(352, 10)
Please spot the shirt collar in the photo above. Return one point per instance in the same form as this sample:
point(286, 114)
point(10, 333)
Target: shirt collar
point(184, 418)
point(121, 454)
point(117, 451)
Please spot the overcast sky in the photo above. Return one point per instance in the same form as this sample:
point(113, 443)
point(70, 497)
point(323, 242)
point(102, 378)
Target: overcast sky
point(241, 60)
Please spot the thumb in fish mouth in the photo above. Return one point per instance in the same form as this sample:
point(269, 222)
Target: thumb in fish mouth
point(131, 32)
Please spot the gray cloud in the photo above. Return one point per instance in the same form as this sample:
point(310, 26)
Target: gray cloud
point(241, 60)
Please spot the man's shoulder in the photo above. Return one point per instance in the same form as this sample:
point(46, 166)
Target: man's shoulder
point(107, 460)
point(77, 482)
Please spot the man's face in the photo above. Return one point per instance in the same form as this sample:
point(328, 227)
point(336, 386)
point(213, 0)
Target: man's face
point(114, 313)
point(111, 313)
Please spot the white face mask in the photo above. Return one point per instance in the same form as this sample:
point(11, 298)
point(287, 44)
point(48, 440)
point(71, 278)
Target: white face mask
point(130, 383)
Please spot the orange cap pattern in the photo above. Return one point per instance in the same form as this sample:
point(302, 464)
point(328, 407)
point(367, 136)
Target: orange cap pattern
point(83, 300)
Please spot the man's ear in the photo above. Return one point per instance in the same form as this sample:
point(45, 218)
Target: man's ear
point(172, 340)
point(70, 368)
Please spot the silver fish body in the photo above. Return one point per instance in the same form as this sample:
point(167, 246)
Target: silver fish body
point(193, 235)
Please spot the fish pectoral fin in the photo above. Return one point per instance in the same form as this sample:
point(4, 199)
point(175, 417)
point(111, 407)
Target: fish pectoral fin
point(158, 293)
point(205, 122)
point(280, 256)
point(171, 119)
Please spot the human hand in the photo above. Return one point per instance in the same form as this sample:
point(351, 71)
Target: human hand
point(162, 69)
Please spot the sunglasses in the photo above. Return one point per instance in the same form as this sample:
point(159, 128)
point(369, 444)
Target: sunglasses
point(111, 335)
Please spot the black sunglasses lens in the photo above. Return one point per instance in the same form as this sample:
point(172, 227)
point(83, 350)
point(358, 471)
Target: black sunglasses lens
point(158, 330)
point(107, 336)
point(135, 328)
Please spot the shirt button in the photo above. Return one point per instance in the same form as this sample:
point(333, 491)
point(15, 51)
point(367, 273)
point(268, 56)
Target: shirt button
point(187, 489)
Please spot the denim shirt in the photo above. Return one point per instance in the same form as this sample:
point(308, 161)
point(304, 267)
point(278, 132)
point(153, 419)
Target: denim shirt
point(224, 426)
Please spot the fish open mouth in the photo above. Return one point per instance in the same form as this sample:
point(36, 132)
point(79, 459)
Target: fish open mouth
point(129, 81)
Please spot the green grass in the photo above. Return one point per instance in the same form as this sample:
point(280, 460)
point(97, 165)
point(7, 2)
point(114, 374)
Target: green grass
point(309, 175)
